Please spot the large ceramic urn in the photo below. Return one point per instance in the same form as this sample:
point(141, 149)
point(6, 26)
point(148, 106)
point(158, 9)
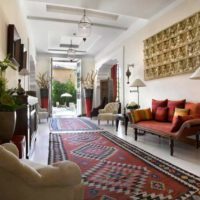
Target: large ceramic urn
point(7, 125)
point(88, 93)
point(44, 94)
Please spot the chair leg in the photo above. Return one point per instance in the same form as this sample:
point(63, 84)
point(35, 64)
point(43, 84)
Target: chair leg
point(197, 141)
point(112, 122)
point(98, 122)
point(136, 133)
point(107, 121)
point(171, 144)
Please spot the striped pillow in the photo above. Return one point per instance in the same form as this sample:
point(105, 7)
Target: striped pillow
point(141, 115)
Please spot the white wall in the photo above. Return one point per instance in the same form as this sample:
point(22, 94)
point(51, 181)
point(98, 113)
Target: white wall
point(11, 12)
point(176, 87)
point(88, 65)
point(43, 64)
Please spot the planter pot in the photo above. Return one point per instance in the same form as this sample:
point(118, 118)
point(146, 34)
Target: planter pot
point(7, 126)
point(44, 94)
point(88, 93)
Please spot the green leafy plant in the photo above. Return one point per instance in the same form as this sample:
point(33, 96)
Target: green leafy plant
point(8, 102)
point(60, 88)
point(132, 105)
point(43, 80)
point(4, 64)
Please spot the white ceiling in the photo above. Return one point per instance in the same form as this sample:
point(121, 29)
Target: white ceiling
point(53, 22)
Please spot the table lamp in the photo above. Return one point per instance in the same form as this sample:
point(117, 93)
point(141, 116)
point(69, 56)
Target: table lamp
point(137, 83)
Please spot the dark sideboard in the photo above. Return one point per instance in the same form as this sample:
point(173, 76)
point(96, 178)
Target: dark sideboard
point(26, 123)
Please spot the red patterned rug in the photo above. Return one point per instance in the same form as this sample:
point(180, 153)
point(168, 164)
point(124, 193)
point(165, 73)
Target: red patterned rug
point(72, 124)
point(114, 169)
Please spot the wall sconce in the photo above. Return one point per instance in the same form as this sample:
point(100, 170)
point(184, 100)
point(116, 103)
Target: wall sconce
point(128, 72)
point(24, 72)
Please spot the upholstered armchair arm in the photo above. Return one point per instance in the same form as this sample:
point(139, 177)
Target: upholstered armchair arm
point(65, 173)
point(190, 127)
point(12, 148)
point(43, 110)
point(102, 111)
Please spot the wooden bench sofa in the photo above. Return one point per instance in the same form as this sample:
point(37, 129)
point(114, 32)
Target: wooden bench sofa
point(190, 127)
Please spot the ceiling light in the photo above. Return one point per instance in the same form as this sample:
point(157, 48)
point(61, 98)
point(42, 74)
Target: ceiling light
point(84, 27)
point(71, 53)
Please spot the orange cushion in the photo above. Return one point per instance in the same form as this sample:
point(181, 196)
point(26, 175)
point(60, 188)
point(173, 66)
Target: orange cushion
point(161, 114)
point(162, 127)
point(193, 107)
point(141, 114)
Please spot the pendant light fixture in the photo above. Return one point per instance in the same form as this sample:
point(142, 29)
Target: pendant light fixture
point(84, 27)
point(71, 53)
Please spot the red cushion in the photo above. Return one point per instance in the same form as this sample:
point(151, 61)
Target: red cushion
point(172, 105)
point(178, 121)
point(156, 104)
point(161, 114)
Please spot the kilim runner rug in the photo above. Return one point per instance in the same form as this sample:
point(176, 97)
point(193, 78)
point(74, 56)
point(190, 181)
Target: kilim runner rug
point(72, 124)
point(115, 169)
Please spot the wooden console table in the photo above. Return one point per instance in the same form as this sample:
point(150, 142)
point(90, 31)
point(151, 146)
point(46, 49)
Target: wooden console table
point(26, 123)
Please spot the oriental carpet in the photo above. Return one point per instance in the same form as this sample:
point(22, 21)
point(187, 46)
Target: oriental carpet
point(115, 169)
point(71, 124)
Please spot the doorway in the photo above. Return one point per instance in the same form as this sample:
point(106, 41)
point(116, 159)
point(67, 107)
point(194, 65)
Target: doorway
point(65, 88)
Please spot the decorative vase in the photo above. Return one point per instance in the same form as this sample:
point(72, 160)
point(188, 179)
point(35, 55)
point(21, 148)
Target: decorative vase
point(7, 127)
point(44, 94)
point(88, 93)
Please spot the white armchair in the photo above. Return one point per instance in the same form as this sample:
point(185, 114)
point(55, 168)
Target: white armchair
point(26, 180)
point(109, 112)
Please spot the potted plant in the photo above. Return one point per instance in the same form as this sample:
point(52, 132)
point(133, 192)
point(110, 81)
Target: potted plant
point(43, 82)
point(88, 85)
point(8, 104)
point(132, 106)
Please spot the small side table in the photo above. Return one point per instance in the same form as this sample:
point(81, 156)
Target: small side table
point(124, 118)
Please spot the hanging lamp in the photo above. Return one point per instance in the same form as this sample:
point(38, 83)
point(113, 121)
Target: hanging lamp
point(84, 27)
